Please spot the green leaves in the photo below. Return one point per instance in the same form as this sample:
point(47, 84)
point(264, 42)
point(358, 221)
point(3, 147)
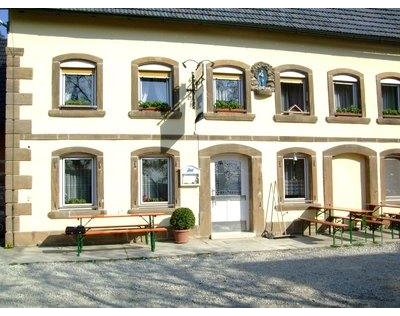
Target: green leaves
point(75, 201)
point(232, 104)
point(182, 218)
point(159, 105)
point(355, 109)
point(77, 102)
point(391, 112)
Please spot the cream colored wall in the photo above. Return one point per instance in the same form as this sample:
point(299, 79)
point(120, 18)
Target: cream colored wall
point(117, 170)
point(349, 176)
point(119, 41)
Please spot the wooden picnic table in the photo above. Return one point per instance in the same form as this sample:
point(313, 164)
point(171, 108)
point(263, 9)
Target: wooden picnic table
point(148, 227)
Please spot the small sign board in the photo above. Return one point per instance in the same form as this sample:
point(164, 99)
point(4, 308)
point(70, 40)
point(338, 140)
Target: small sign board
point(190, 176)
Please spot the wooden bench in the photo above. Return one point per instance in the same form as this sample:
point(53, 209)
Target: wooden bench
point(336, 227)
point(148, 228)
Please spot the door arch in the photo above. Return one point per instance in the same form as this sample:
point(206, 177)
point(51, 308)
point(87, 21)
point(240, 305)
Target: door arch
point(256, 214)
point(371, 173)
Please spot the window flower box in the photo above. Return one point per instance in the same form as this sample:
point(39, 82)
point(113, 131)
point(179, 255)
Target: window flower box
point(391, 113)
point(157, 106)
point(229, 106)
point(352, 110)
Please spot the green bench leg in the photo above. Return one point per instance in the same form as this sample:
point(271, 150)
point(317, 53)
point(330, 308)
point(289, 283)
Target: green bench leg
point(382, 233)
point(153, 241)
point(351, 230)
point(79, 242)
point(334, 235)
point(391, 230)
point(146, 236)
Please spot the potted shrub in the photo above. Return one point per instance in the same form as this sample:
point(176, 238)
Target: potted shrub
point(182, 220)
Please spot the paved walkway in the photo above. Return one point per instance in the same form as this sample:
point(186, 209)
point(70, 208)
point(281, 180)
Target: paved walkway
point(24, 255)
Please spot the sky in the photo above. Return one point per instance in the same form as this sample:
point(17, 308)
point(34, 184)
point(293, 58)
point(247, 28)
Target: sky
point(4, 18)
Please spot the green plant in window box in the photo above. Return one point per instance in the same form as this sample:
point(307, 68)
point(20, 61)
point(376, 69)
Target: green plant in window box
point(75, 201)
point(77, 102)
point(232, 104)
point(156, 105)
point(393, 112)
point(352, 109)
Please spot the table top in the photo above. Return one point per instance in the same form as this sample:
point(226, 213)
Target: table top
point(115, 216)
point(350, 210)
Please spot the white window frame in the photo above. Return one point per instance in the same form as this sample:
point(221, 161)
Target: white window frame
point(355, 92)
point(234, 78)
point(397, 85)
point(155, 68)
point(306, 179)
point(71, 65)
point(168, 88)
point(170, 182)
point(62, 182)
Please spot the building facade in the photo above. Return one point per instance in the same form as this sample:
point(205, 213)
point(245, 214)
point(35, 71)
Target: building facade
point(101, 119)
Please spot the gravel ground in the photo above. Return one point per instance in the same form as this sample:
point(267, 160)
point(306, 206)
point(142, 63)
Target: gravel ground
point(365, 276)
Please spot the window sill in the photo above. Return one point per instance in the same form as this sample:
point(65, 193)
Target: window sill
point(291, 206)
point(229, 116)
point(67, 213)
point(348, 119)
point(76, 113)
point(149, 114)
point(389, 120)
point(295, 118)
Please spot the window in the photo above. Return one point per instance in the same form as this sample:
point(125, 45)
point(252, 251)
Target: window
point(294, 100)
point(78, 82)
point(392, 178)
point(228, 89)
point(390, 96)
point(156, 180)
point(346, 95)
point(293, 92)
point(78, 181)
point(296, 177)
point(155, 87)
point(77, 88)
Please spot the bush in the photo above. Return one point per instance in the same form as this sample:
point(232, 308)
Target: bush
point(182, 218)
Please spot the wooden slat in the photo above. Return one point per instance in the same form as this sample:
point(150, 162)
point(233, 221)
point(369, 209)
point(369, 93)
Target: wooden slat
point(115, 216)
point(324, 222)
point(125, 231)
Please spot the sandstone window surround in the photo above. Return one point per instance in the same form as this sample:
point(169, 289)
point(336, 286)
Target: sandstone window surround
point(58, 210)
point(294, 84)
point(155, 67)
point(78, 60)
point(138, 204)
point(237, 73)
point(388, 94)
point(309, 161)
point(345, 93)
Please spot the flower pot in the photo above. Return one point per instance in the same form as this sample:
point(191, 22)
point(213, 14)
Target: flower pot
point(181, 236)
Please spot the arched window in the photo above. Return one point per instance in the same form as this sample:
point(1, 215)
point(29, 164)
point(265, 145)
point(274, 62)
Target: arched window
point(228, 91)
point(294, 100)
point(297, 178)
point(346, 97)
point(388, 92)
point(390, 176)
point(155, 88)
point(77, 86)
point(77, 181)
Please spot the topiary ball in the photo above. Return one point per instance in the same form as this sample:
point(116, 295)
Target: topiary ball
point(182, 218)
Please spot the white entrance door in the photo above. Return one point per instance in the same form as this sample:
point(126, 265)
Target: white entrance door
point(229, 194)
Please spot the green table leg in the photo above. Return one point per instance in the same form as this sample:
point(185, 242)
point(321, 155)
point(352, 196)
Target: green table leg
point(153, 241)
point(341, 237)
point(382, 233)
point(147, 238)
point(391, 230)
